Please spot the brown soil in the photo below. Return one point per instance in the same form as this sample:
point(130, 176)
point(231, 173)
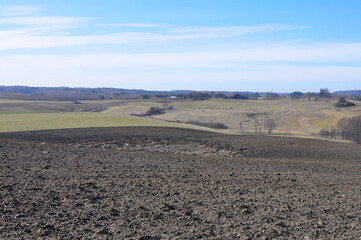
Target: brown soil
point(163, 183)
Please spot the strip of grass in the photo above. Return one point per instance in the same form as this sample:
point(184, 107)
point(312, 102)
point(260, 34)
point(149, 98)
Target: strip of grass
point(40, 121)
point(330, 118)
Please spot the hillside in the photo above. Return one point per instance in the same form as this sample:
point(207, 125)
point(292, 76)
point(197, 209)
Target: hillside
point(349, 93)
point(295, 117)
point(298, 117)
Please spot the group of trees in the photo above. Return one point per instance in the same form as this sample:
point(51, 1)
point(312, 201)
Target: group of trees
point(350, 129)
point(206, 95)
point(271, 96)
point(347, 128)
point(324, 93)
point(264, 125)
point(195, 95)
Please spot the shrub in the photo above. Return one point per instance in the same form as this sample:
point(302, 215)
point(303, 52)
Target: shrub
point(200, 96)
point(154, 111)
point(324, 132)
point(216, 125)
point(296, 95)
point(342, 102)
point(239, 96)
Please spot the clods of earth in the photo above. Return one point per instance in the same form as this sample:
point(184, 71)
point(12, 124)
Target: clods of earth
point(165, 183)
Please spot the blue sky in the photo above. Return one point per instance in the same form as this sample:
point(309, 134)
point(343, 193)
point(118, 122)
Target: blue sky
point(264, 45)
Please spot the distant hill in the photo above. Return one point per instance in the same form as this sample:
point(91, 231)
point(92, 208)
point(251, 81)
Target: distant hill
point(349, 92)
point(70, 93)
point(89, 93)
point(40, 90)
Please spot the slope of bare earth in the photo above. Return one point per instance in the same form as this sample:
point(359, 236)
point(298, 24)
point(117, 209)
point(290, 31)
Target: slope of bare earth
point(165, 183)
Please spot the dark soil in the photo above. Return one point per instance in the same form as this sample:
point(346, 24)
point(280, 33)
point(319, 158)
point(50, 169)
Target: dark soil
point(163, 183)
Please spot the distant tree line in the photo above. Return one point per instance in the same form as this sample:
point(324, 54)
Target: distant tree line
point(67, 93)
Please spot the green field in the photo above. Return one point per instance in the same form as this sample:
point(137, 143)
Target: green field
point(13, 122)
point(299, 117)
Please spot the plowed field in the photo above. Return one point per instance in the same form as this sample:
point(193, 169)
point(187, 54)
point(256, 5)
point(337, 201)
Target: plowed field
point(165, 183)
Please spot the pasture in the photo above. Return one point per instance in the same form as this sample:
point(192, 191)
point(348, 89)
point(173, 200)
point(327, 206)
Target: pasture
point(296, 117)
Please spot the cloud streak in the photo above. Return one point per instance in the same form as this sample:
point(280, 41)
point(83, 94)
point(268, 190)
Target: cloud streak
point(135, 25)
point(184, 69)
point(52, 34)
point(69, 22)
point(21, 29)
point(234, 30)
point(116, 71)
point(18, 10)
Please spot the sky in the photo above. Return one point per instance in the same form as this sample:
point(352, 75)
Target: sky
point(229, 45)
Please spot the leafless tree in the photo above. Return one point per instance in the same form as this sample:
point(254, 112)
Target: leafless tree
point(342, 127)
point(350, 128)
point(269, 125)
point(308, 95)
point(257, 125)
point(324, 93)
point(271, 96)
point(354, 129)
point(333, 132)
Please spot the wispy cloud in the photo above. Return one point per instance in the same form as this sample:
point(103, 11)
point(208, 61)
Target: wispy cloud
point(136, 25)
point(150, 73)
point(44, 21)
point(20, 28)
point(265, 64)
point(18, 10)
point(48, 34)
point(224, 31)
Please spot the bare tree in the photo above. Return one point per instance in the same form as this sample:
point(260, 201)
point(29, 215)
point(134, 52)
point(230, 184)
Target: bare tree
point(342, 127)
point(324, 93)
point(261, 125)
point(256, 124)
point(350, 128)
point(333, 132)
point(354, 130)
point(269, 125)
point(308, 95)
point(271, 96)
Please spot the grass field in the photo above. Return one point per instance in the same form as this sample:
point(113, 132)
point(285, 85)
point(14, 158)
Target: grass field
point(12, 122)
point(299, 117)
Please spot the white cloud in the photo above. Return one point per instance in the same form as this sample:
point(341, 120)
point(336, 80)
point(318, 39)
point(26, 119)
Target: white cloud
point(224, 31)
point(251, 62)
point(136, 25)
point(21, 29)
point(229, 59)
point(44, 21)
point(18, 10)
point(50, 32)
point(155, 70)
